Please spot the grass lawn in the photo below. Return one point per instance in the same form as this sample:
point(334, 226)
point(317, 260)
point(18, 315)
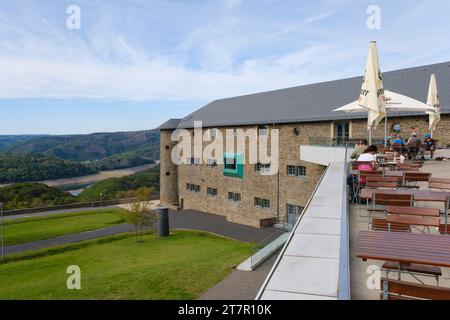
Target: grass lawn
point(181, 266)
point(45, 227)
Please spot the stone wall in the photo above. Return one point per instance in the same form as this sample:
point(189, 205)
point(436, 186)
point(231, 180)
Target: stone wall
point(358, 128)
point(279, 189)
point(169, 171)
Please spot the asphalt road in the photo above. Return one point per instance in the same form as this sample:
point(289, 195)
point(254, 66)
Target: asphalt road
point(185, 219)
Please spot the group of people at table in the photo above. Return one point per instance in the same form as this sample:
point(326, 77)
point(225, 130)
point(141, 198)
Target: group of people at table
point(403, 252)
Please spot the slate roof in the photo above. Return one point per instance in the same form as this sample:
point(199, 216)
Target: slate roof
point(315, 102)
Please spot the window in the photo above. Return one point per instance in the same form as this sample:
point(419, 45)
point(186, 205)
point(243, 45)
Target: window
point(212, 133)
point(296, 171)
point(230, 163)
point(291, 171)
point(233, 196)
point(301, 171)
point(263, 130)
point(262, 203)
point(293, 209)
point(211, 163)
point(194, 161)
point(211, 191)
point(233, 165)
point(192, 187)
point(262, 168)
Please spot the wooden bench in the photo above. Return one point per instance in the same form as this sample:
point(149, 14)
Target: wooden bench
point(402, 290)
point(382, 182)
point(413, 220)
point(379, 224)
point(416, 177)
point(414, 211)
point(412, 269)
point(439, 185)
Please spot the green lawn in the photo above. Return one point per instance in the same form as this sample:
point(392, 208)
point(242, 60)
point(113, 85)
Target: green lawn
point(181, 266)
point(45, 227)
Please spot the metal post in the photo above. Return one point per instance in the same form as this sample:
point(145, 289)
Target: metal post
point(3, 230)
point(385, 131)
point(370, 135)
point(163, 222)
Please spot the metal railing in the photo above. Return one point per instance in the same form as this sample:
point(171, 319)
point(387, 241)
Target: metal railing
point(339, 142)
point(344, 254)
point(91, 204)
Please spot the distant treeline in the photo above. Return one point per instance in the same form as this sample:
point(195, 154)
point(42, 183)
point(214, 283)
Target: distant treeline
point(21, 168)
point(46, 157)
point(32, 195)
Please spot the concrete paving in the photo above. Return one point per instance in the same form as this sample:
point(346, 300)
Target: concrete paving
point(241, 285)
point(185, 219)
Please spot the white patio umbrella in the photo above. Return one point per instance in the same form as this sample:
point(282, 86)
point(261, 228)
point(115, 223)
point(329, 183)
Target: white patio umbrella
point(433, 102)
point(371, 95)
point(395, 102)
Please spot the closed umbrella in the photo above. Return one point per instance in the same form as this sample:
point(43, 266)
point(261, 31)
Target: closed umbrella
point(372, 96)
point(433, 102)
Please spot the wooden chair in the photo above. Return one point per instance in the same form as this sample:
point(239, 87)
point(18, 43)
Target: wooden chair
point(402, 290)
point(407, 167)
point(379, 224)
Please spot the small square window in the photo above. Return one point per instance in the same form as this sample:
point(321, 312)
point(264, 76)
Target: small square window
point(230, 196)
point(258, 202)
point(237, 197)
point(265, 203)
point(263, 130)
point(230, 163)
point(301, 171)
point(291, 171)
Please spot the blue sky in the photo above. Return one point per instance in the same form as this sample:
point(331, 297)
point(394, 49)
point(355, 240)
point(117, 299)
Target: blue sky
point(135, 63)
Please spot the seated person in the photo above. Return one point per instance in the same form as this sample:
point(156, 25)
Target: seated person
point(360, 147)
point(398, 143)
point(414, 143)
point(369, 155)
point(429, 145)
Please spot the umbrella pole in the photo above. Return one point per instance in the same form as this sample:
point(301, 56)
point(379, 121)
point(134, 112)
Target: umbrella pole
point(385, 131)
point(370, 135)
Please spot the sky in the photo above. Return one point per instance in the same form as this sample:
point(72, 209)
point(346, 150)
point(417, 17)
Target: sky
point(132, 64)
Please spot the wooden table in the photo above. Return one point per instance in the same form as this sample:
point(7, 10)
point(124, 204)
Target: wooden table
point(419, 195)
point(432, 250)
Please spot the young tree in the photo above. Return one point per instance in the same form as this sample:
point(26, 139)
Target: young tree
point(140, 214)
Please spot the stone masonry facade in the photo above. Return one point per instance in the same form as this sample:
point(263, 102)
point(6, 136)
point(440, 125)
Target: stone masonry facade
point(280, 189)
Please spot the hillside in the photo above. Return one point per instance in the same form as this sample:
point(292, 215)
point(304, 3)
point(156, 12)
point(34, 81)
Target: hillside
point(31, 195)
point(124, 187)
point(22, 168)
point(92, 147)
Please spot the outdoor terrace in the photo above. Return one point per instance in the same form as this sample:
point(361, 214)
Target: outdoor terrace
point(320, 259)
point(358, 222)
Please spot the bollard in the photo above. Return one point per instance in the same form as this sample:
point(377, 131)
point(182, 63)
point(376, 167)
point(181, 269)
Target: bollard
point(163, 222)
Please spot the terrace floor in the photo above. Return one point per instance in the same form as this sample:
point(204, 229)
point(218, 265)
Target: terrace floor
point(359, 269)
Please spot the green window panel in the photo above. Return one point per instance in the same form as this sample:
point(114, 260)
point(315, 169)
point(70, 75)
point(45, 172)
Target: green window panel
point(233, 165)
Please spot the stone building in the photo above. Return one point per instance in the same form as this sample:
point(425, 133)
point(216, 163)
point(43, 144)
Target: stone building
point(303, 116)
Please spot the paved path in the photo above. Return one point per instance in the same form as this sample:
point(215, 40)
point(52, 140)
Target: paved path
point(46, 213)
point(186, 219)
point(241, 285)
